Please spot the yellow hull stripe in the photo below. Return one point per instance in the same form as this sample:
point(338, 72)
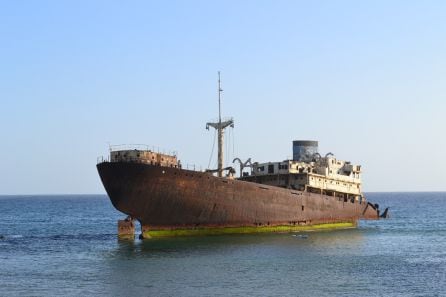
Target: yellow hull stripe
point(247, 229)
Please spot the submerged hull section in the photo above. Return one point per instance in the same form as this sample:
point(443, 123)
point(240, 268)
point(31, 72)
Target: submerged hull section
point(165, 198)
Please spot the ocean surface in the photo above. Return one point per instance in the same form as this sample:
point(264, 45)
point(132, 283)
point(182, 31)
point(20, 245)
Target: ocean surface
point(67, 246)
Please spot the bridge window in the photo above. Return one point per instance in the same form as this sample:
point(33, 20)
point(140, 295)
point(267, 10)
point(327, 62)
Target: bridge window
point(271, 168)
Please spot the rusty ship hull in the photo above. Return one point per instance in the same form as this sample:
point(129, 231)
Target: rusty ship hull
point(165, 199)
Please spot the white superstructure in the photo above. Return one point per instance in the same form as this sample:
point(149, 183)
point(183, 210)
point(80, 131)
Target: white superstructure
point(324, 174)
point(309, 171)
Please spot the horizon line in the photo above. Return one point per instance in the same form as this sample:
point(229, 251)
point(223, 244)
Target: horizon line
point(95, 194)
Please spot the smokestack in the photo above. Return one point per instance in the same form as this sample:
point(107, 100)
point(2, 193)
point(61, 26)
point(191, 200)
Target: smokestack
point(303, 150)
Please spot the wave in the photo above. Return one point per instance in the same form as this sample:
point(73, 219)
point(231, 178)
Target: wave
point(12, 236)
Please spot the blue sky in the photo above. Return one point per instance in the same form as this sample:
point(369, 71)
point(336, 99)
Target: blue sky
point(365, 78)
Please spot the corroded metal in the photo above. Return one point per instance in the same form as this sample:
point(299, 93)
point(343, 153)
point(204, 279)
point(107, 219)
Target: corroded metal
point(166, 198)
point(126, 228)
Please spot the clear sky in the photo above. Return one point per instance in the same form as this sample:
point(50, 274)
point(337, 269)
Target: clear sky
point(365, 78)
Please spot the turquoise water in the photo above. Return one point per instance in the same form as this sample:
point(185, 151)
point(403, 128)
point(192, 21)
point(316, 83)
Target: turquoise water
point(67, 245)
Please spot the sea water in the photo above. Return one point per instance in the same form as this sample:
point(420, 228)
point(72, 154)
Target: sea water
point(67, 245)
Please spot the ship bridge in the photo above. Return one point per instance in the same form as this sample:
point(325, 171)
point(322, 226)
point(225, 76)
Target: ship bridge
point(309, 171)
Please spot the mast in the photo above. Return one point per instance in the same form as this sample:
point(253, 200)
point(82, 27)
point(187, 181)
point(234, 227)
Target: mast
point(219, 98)
point(220, 126)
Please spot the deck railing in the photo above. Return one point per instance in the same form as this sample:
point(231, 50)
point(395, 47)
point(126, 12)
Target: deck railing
point(142, 147)
point(192, 167)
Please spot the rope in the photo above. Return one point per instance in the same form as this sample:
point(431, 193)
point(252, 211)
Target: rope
point(212, 152)
point(233, 145)
point(227, 146)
